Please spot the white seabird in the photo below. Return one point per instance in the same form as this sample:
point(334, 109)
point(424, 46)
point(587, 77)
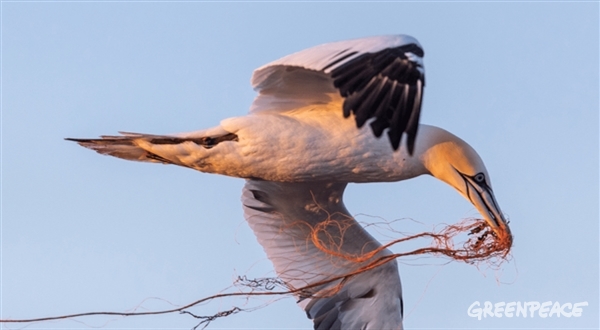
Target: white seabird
point(297, 150)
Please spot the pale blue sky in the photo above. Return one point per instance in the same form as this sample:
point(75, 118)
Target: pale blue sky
point(82, 232)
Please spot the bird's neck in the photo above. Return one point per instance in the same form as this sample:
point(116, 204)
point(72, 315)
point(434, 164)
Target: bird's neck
point(439, 151)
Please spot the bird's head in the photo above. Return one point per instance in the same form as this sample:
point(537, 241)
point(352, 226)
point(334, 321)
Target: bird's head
point(453, 161)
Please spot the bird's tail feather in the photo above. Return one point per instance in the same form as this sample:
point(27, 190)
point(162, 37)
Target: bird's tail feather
point(129, 145)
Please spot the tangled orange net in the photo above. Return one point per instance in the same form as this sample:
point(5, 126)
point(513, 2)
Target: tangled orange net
point(482, 244)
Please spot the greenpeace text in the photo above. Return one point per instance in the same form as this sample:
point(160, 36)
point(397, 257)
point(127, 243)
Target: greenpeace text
point(525, 309)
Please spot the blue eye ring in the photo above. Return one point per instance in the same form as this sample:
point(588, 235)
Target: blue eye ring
point(479, 178)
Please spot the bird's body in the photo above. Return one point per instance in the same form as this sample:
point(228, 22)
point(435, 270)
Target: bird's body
point(298, 150)
point(312, 145)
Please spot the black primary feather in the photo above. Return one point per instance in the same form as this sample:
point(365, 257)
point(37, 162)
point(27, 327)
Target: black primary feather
point(386, 86)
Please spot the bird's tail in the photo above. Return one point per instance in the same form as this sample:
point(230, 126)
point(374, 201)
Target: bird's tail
point(135, 146)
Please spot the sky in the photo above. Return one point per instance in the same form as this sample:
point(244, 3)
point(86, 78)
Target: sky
point(81, 232)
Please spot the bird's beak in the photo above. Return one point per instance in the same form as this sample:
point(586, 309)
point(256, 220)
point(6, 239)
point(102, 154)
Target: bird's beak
point(482, 197)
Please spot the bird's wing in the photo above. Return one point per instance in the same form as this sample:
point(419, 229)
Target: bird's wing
point(379, 78)
point(310, 237)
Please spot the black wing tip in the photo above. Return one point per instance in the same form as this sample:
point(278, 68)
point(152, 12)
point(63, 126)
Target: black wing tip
point(415, 49)
point(386, 86)
point(410, 148)
point(395, 139)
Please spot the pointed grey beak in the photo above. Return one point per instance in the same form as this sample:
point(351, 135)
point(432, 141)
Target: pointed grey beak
point(482, 197)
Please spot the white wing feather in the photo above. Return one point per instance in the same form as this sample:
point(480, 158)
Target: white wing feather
point(317, 58)
point(378, 79)
point(302, 79)
point(284, 216)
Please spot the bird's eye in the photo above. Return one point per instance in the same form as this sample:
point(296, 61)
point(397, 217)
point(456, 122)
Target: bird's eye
point(479, 177)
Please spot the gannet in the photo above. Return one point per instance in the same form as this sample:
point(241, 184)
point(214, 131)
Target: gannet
point(317, 124)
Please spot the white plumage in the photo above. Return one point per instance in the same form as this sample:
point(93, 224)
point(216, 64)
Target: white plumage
point(298, 149)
